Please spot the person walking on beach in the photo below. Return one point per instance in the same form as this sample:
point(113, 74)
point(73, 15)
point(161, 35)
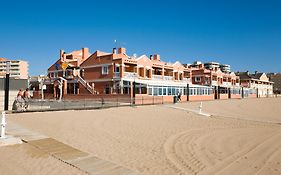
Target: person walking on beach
point(179, 96)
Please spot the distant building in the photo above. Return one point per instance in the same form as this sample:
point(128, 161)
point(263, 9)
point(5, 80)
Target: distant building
point(225, 68)
point(17, 68)
point(276, 78)
point(211, 65)
point(257, 81)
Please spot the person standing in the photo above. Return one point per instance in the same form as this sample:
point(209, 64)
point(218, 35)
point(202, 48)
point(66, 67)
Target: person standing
point(179, 96)
point(19, 100)
point(26, 97)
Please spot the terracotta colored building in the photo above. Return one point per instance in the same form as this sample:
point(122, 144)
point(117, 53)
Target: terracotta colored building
point(143, 76)
point(118, 73)
point(225, 84)
point(70, 77)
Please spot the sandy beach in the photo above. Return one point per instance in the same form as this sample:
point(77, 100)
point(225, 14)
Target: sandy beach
point(241, 137)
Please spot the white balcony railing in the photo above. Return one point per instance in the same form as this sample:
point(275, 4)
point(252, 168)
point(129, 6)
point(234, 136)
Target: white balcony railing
point(187, 79)
point(214, 83)
point(157, 77)
point(226, 83)
point(168, 78)
point(130, 75)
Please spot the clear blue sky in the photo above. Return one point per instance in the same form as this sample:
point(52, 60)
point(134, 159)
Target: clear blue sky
point(243, 33)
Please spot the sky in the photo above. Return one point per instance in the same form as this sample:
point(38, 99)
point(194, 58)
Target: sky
point(243, 33)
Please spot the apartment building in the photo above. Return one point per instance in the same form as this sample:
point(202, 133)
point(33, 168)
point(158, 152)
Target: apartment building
point(17, 68)
point(116, 72)
point(67, 70)
point(259, 83)
point(119, 73)
point(225, 84)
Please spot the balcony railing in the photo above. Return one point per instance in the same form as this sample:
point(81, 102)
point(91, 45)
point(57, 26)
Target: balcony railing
point(226, 83)
point(157, 77)
point(130, 75)
point(187, 79)
point(168, 78)
point(214, 83)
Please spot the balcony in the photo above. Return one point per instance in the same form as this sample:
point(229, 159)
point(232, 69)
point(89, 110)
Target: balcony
point(214, 83)
point(130, 75)
point(226, 83)
point(186, 80)
point(168, 78)
point(157, 77)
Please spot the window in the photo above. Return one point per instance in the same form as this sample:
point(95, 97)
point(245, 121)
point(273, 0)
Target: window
point(197, 79)
point(169, 91)
point(104, 70)
point(160, 91)
point(164, 91)
point(149, 91)
point(206, 80)
point(117, 69)
point(173, 91)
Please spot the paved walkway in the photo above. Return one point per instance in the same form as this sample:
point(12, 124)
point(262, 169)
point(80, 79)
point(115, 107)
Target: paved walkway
point(67, 154)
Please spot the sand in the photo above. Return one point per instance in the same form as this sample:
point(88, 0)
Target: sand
point(241, 137)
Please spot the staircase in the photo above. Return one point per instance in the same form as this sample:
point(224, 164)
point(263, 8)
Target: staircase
point(85, 84)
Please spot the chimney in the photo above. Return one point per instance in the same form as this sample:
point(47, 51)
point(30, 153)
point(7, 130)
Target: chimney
point(150, 57)
point(114, 50)
point(85, 53)
point(157, 57)
point(121, 50)
point(256, 72)
point(61, 55)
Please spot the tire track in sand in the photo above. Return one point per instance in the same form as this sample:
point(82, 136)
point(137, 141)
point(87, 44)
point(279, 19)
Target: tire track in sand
point(179, 150)
point(191, 152)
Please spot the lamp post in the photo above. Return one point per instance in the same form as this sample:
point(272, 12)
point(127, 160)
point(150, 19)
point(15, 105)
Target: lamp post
point(134, 88)
point(7, 86)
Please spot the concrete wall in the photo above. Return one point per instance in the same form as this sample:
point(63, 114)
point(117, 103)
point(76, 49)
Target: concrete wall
point(235, 96)
point(201, 97)
point(12, 96)
point(15, 85)
point(223, 96)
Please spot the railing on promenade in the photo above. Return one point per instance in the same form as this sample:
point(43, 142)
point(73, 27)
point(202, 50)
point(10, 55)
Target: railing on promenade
point(86, 103)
